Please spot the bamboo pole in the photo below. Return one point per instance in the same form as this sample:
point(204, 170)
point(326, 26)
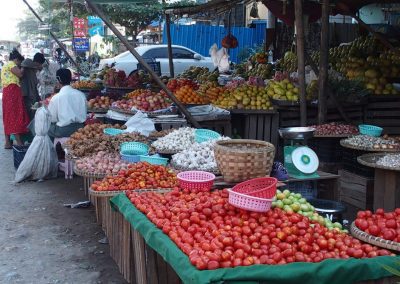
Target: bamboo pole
point(298, 4)
point(323, 63)
point(105, 19)
point(170, 58)
point(55, 38)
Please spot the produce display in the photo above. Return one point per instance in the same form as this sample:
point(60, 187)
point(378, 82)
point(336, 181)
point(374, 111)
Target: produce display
point(101, 163)
point(176, 141)
point(176, 84)
point(146, 101)
point(334, 128)
point(138, 176)
point(294, 202)
point(159, 134)
point(263, 71)
point(245, 97)
point(88, 85)
point(283, 90)
point(370, 142)
point(91, 140)
point(380, 224)
point(100, 102)
point(214, 234)
point(118, 79)
point(188, 95)
point(200, 74)
point(288, 62)
point(390, 161)
point(200, 156)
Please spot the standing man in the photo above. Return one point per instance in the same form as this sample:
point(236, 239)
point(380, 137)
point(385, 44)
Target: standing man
point(29, 82)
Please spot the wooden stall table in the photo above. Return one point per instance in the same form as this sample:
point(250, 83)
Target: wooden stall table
point(387, 182)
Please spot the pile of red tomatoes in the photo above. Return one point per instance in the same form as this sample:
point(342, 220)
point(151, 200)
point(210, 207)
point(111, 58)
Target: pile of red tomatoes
point(214, 234)
point(380, 224)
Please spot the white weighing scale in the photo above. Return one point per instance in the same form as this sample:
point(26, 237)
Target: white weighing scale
point(301, 162)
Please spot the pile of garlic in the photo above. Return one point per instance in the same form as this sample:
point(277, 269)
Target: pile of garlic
point(198, 157)
point(178, 140)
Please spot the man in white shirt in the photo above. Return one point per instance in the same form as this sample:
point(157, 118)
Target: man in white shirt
point(67, 108)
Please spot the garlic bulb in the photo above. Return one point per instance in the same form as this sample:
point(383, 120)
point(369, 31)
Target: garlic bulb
point(176, 141)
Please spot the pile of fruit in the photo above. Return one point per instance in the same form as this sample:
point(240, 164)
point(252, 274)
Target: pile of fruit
point(145, 101)
point(295, 203)
point(283, 90)
point(175, 84)
point(188, 95)
point(101, 163)
point(380, 224)
point(100, 102)
point(334, 128)
point(245, 97)
point(200, 74)
point(118, 79)
point(288, 62)
point(214, 234)
point(370, 142)
point(88, 85)
point(263, 71)
point(137, 92)
point(91, 140)
point(138, 176)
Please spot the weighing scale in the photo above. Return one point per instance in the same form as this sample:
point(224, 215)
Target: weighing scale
point(300, 161)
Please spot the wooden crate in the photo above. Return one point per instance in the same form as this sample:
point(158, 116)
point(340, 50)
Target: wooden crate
point(356, 190)
point(222, 126)
point(256, 124)
point(384, 111)
point(137, 262)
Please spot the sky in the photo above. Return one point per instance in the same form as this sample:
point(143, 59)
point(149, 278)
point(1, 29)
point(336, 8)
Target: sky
point(10, 12)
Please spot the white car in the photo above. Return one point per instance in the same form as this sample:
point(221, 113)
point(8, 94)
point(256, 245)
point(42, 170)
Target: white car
point(183, 59)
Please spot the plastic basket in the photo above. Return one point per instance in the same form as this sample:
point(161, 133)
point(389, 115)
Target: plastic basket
point(134, 148)
point(370, 130)
point(196, 180)
point(258, 187)
point(203, 135)
point(112, 131)
point(19, 154)
point(247, 202)
point(154, 160)
point(129, 158)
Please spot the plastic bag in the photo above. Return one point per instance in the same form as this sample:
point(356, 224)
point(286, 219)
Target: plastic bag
point(140, 123)
point(40, 160)
point(220, 58)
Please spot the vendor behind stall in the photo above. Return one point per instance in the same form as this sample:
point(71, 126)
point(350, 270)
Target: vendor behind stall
point(67, 108)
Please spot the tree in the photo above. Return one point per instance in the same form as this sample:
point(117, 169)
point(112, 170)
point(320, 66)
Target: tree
point(134, 18)
point(28, 27)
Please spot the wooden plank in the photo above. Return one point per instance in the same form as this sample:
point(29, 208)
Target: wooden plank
point(274, 130)
point(260, 127)
point(161, 269)
point(252, 127)
point(152, 268)
point(140, 261)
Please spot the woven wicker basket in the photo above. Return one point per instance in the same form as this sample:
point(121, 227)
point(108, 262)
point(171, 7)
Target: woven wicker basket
point(365, 237)
point(241, 159)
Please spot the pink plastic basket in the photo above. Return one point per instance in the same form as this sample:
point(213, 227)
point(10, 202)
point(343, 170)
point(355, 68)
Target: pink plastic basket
point(196, 180)
point(264, 187)
point(247, 202)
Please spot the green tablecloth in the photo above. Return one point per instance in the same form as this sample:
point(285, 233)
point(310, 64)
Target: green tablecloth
point(331, 271)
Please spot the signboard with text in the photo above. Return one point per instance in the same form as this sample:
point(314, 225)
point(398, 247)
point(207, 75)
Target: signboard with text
point(80, 27)
point(81, 44)
point(96, 26)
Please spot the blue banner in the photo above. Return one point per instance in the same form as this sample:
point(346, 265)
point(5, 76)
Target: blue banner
point(94, 21)
point(81, 44)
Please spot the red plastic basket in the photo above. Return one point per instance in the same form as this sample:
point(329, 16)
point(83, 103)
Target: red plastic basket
point(264, 187)
point(196, 180)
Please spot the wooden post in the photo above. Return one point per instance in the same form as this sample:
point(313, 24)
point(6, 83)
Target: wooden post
point(323, 63)
point(56, 39)
point(107, 21)
point(298, 7)
point(170, 58)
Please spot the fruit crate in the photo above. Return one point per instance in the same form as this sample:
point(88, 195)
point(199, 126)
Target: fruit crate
point(384, 111)
point(350, 163)
point(356, 190)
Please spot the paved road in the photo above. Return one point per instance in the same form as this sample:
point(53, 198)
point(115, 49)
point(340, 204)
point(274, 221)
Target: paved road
point(43, 242)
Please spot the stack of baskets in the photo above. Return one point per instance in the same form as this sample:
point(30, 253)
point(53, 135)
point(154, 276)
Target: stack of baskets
point(241, 159)
point(131, 151)
point(254, 195)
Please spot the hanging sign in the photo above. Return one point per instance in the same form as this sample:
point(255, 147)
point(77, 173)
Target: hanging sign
point(81, 44)
point(80, 27)
point(96, 26)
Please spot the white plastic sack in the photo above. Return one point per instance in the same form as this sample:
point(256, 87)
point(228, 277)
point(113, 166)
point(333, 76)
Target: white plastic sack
point(40, 160)
point(220, 58)
point(140, 123)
